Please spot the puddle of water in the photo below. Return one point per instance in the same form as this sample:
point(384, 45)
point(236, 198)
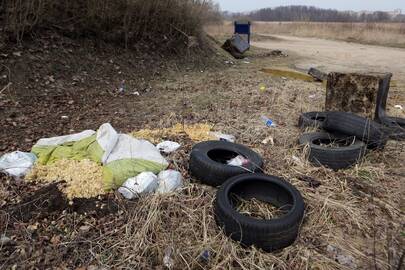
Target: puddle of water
point(288, 74)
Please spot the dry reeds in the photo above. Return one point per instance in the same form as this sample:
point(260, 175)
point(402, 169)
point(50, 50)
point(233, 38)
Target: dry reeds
point(390, 34)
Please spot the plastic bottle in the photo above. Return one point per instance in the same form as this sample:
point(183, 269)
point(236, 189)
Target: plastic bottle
point(122, 87)
point(267, 121)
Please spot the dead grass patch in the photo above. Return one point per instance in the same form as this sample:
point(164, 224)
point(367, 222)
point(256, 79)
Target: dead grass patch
point(356, 212)
point(386, 34)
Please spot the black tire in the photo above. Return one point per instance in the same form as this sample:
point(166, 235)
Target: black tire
point(394, 127)
point(269, 235)
point(208, 161)
point(362, 128)
point(336, 158)
point(312, 119)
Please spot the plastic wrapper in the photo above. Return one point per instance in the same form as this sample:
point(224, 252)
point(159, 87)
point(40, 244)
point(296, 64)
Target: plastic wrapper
point(142, 184)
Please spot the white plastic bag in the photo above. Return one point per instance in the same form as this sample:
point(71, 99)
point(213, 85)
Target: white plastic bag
point(17, 163)
point(107, 138)
point(169, 181)
point(238, 161)
point(144, 183)
point(168, 147)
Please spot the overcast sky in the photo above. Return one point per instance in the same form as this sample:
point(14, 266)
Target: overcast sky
point(357, 5)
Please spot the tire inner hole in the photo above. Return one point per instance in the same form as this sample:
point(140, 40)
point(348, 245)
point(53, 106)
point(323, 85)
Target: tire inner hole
point(334, 143)
point(261, 200)
point(222, 155)
point(318, 118)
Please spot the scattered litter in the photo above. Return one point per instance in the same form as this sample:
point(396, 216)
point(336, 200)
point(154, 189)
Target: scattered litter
point(130, 157)
point(313, 183)
point(121, 89)
point(399, 107)
point(122, 155)
point(317, 74)
point(223, 137)
point(238, 161)
point(297, 161)
point(64, 117)
point(268, 140)
point(85, 228)
point(312, 96)
point(267, 121)
point(167, 258)
point(134, 187)
point(17, 163)
point(196, 132)
point(246, 62)
point(136, 93)
point(169, 181)
point(205, 256)
point(262, 88)
point(4, 240)
point(84, 178)
point(168, 147)
point(277, 53)
point(343, 259)
point(236, 44)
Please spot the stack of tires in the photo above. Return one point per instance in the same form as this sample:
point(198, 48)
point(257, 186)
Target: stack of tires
point(344, 140)
point(208, 163)
point(394, 127)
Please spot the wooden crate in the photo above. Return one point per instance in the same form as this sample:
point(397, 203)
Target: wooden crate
point(356, 92)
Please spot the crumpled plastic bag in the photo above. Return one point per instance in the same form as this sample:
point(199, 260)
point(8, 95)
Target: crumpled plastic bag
point(169, 181)
point(17, 164)
point(144, 183)
point(238, 161)
point(168, 147)
point(129, 158)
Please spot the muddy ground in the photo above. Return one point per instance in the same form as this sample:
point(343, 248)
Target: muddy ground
point(356, 211)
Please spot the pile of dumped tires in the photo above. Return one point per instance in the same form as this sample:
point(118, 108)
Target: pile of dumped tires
point(208, 165)
point(345, 137)
point(343, 141)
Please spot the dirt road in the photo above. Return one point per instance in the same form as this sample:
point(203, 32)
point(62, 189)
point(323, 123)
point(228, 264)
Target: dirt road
point(330, 55)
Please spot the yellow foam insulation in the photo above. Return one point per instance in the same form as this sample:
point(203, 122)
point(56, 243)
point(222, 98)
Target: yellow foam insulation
point(196, 132)
point(84, 178)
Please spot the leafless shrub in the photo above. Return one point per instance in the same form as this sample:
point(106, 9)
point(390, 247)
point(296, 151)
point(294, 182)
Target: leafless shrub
point(125, 21)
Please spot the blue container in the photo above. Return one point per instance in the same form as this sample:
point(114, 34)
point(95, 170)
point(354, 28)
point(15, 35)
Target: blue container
point(243, 28)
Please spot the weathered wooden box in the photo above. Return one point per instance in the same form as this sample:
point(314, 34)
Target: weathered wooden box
point(358, 93)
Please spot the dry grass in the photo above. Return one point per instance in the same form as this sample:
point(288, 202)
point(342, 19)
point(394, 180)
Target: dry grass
point(258, 209)
point(351, 209)
point(389, 34)
point(357, 211)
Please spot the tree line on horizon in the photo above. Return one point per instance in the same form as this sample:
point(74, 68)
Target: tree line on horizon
point(314, 14)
